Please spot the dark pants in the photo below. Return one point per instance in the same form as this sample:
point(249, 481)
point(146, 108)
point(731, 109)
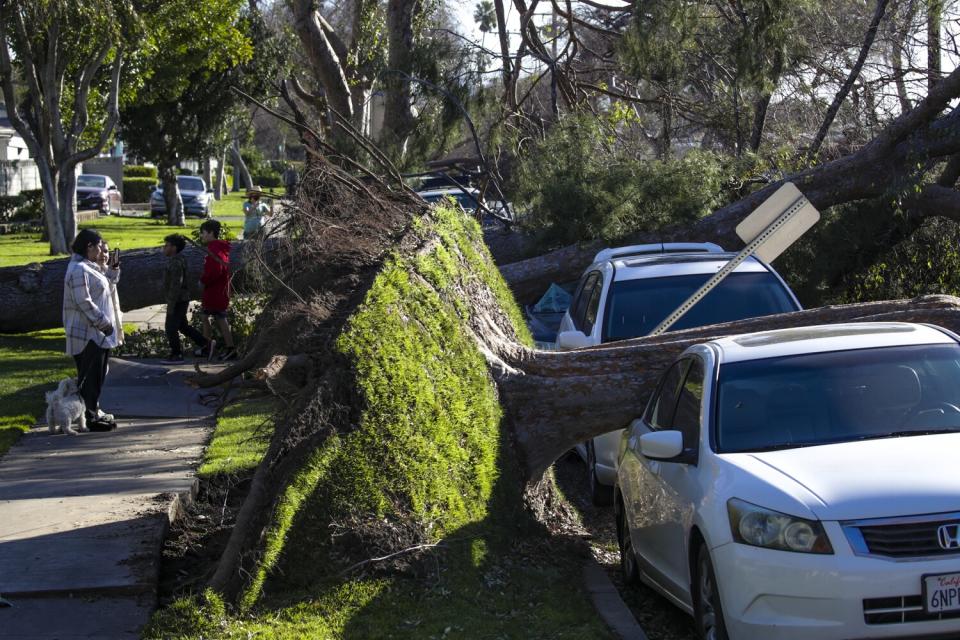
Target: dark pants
point(176, 323)
point(91, 371)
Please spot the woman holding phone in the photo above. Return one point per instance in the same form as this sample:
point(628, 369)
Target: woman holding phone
point(91, 319)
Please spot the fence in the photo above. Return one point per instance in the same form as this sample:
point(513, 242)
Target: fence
point(17, 176)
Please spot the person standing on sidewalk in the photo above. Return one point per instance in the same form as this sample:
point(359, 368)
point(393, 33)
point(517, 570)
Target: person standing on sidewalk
point(216, 288)
point(177, 295)
point(90, 321)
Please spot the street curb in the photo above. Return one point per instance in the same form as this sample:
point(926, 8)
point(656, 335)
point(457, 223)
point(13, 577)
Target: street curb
point(609, 604)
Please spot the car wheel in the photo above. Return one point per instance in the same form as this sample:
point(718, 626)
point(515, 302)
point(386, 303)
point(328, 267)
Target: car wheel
point(628, 559)
point(601, 494)
point(707, 609)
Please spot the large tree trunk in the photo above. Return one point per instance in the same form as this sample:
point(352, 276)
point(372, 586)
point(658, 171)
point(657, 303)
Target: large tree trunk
point(220, 189)
point(559, 399)
point(33, 295)
point(397, 117)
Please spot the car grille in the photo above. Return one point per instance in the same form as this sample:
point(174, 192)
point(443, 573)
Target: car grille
point(900, 609)
point(901, 538)
point(906, 540)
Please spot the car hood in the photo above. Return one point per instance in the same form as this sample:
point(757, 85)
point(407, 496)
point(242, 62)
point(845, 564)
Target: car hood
point(866, 479)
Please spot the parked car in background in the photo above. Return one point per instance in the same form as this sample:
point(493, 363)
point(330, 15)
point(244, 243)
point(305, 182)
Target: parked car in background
point(98, 192)
point(197, 199)
point(800, 484)
point(628, 291)
point(468, 201)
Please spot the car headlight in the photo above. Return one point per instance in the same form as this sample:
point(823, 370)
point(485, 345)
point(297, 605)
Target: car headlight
point(104, 195)
point(770, 529)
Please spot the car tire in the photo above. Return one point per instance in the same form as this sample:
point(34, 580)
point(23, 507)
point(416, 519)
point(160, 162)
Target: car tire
point(628, 559)
point(707, 608)
point(600, 494)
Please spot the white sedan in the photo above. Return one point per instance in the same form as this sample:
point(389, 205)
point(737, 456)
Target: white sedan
point(801, 484)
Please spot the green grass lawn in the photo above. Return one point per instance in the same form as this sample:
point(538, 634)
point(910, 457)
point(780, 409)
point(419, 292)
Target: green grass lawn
point(30, 364)
point(241, 437)
point(127, 232)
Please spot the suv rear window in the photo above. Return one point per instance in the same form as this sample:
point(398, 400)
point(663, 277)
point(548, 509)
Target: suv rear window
point(636, 307)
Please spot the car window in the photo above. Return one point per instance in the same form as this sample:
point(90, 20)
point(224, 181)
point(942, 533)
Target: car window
point(583, 297)
point(687, 418)
point(840, 396)
point(662, 407)
point(593, 303)
point(636, 307)
point(188, 183)
point(91, 181)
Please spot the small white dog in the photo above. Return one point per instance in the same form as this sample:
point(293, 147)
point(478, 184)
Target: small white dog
point(64, 406)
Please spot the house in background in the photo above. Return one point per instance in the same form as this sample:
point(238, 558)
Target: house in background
point(18, 171)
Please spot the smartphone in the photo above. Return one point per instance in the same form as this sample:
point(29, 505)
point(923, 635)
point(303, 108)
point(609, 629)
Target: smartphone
point(115, 258)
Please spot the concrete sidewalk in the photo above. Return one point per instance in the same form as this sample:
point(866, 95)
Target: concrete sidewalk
point(83, 519)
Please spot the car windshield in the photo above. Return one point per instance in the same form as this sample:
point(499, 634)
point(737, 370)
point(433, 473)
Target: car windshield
point(636, 307)
point(464, 200)
point(91, 181)
point(840, 396)
point(187, 183)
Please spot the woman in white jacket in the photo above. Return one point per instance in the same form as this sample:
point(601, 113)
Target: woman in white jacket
point(91, 320)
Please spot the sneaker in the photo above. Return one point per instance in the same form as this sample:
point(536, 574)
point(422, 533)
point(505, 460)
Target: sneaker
point(101, 425)
point(105, 417)
point(206, 351)
point(173, 359)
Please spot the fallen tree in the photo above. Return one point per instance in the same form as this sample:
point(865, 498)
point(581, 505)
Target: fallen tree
point(413, 388)
point(892, 164)
point(33, 295)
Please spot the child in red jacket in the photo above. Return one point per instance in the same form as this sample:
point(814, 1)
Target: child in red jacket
point(216, 286)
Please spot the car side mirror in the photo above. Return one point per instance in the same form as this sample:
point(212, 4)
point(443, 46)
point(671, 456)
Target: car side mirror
point(112, 187)
point(661, 445)
point(209, 190)
point(572, 340)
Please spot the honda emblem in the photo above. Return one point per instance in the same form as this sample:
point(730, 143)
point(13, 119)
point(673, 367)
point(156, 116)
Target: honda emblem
point(949, 536)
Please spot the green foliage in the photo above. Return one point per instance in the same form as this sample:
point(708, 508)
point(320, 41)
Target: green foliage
point(580, 185)
point(30, 364)
point(926, 262)
point(138, 189)
point(139, 171)
point(27, 205)
point(267, 180)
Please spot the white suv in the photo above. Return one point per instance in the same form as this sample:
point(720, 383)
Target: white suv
point(628, 291)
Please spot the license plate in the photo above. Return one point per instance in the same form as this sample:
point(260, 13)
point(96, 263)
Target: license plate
point(942, 592)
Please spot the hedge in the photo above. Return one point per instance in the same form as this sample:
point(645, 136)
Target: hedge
point(267, 180)
point(138, 189)
point(27, 205)
point(139, 171)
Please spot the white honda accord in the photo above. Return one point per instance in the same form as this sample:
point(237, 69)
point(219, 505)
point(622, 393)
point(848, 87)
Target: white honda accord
point(801, 484)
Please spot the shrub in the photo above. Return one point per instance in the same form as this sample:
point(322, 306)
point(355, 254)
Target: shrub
point(581, 185)
point(27, 205)
point(139, 171)
point(138, 189)
point(8, 205)
point(267, 180)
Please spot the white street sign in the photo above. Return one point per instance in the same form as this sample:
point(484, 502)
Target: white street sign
point(776, 224)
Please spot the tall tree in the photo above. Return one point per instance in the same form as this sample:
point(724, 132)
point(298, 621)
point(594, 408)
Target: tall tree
point(68, 56)
point(196, 52)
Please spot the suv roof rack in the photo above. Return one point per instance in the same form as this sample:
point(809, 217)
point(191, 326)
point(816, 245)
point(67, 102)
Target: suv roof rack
point(658, 247)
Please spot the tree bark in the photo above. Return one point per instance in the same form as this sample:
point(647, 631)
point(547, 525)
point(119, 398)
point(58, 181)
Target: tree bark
point(397, 116)
point(171, 195)
point(558, 399)
point(33, 295)
point(241, 173)
point(934, 57)
point(220, 189)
